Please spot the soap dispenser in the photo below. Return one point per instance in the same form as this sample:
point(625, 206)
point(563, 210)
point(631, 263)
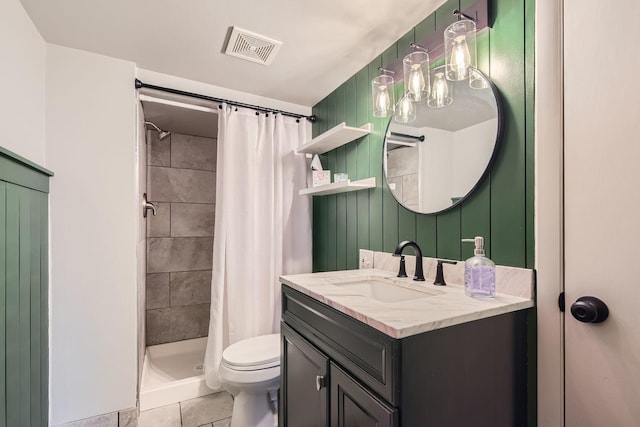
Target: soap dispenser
point(479, 272)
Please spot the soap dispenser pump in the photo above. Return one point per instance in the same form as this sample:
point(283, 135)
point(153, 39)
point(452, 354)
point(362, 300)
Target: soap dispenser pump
point(479, 272)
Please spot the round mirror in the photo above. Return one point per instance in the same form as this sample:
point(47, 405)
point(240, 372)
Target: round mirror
point(438, 150)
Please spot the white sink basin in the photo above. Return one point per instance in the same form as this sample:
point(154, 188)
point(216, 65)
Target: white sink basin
point(384, 290)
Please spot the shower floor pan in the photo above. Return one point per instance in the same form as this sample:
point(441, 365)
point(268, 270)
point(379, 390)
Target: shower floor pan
point(173, 373)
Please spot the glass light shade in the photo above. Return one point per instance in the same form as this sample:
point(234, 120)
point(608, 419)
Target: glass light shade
point(405, 112)
point(416, 72)
point(460, 49)
point(477, 80)
point(440, 92)
point(382, 96)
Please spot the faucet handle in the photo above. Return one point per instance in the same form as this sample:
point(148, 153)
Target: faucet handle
point(403, 270)
point(439, 281)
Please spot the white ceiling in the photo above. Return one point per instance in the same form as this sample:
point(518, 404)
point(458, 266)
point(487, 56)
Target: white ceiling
point(324, 42)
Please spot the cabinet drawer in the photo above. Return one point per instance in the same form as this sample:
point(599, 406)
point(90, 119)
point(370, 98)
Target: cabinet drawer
point(368, 354)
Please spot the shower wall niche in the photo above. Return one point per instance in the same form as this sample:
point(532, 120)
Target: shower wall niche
point(181, 184)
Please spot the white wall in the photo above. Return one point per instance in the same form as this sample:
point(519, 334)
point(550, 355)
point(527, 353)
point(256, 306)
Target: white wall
point(472, 149)
point(436, 158)
point(141, 240)
point(22, 80)
point(549, 215)
point(91, 141)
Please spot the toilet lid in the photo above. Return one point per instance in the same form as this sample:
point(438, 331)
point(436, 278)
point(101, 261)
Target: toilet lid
point(259, 352)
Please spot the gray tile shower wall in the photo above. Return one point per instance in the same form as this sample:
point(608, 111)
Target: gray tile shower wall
point(170, 254)
point(192, 220)
point(403, 173)
point(160, 224)
point(192, 152)
point(190, 288)
point(181, 183)
point(177, 323)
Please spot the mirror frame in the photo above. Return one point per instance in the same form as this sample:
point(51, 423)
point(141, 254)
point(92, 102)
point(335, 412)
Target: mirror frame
point(490, 163)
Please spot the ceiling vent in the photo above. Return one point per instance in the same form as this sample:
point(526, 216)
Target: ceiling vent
point(251, 46)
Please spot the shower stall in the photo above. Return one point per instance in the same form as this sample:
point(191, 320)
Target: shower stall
point(172, 372)
point(177, 171)
point(177, 174)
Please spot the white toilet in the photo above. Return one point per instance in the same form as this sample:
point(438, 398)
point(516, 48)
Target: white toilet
point(250, 371)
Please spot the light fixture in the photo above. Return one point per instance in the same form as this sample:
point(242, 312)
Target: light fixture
point(440, 92)
point(382, 94)
point(406, 112)
point(420, 83)
point(460, 48)
point(477, 80)
point(416, 67)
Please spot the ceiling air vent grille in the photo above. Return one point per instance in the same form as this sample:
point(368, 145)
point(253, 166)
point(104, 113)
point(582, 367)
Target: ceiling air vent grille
point(251, 46)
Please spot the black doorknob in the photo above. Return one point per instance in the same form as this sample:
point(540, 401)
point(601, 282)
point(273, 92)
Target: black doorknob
point(590, 310)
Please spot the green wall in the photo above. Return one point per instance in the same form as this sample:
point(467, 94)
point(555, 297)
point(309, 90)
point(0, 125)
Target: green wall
point(502, 208)
point(24, 362)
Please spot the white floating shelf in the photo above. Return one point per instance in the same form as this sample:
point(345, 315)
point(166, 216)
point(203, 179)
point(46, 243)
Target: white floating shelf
point(334, 138)
point(340, 187)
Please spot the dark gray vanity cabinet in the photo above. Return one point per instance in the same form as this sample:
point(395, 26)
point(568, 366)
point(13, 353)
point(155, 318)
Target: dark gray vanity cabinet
point(303, 391)
point(310, 381)
point(337, 371)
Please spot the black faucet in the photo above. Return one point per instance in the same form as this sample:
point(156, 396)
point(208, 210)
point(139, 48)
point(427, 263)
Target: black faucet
point(419, 275)
point(440, 274)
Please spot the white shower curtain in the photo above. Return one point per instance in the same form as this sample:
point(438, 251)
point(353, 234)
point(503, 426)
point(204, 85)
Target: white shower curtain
point(262, 226)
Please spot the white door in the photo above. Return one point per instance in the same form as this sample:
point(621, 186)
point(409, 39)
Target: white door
point(602, 210)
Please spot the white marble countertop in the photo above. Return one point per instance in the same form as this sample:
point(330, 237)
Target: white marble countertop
point(450, 306)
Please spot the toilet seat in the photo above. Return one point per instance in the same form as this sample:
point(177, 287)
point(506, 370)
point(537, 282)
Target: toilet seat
point(261, 352)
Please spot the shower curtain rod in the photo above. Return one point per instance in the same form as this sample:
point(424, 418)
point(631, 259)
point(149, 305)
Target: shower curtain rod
point(140, 85)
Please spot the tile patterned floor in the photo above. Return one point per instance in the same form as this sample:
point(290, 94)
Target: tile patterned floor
point(213, 410)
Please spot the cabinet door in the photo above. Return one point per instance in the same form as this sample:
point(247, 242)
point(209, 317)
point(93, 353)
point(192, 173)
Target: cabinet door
point(352, 405)
point(303, 383)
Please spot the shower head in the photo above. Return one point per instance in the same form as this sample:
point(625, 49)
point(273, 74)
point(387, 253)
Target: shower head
point(162, 134)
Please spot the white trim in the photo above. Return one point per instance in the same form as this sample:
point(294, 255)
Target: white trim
point(549, 125)
point(186, 105)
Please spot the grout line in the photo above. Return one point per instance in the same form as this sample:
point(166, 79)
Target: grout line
point(182, 203)
point(170, 217)
point(182, 237)
point(169, 290)
point(178, 168)
point(189, 203)
point(180, 306)
point(186, 271)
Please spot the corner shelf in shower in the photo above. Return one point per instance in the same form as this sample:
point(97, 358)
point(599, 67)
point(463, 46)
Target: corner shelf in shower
point(334, 138)
point(340, 187)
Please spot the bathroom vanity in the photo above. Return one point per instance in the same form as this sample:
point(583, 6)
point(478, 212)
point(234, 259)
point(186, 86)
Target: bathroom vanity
point(357, 353)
